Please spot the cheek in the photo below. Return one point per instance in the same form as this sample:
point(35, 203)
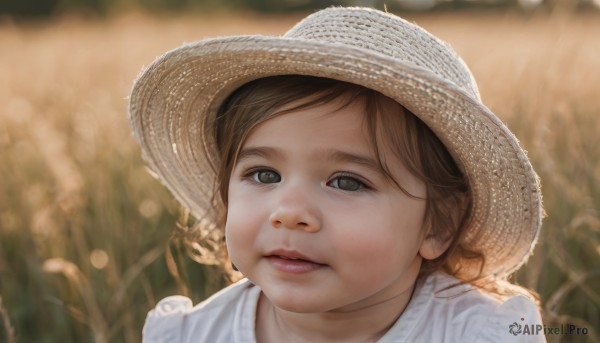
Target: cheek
point(379, 248)
point(246, 216)
point(384, 243)
point(242, 224)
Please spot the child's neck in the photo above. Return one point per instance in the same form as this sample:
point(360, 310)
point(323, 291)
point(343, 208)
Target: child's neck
point(366, 323)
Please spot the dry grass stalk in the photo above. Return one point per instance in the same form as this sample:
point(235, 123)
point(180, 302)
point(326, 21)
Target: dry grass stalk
point(9, 331)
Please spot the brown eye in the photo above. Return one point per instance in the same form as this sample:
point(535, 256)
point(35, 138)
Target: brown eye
point(266, 176)
point(347, 183)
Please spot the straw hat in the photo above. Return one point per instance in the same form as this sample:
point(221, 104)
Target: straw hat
point(175, 99)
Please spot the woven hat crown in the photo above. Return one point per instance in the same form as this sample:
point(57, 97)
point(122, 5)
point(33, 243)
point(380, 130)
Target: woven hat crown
point(390, 36)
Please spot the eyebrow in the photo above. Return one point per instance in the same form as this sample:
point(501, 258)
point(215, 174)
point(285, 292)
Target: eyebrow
point(260, 151)
point(329, 154)
point(346, 157)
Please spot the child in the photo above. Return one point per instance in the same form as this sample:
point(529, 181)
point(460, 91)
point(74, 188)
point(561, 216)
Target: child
point(364, 191)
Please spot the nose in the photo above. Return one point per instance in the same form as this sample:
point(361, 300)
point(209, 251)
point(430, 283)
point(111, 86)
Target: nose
point(295, 214)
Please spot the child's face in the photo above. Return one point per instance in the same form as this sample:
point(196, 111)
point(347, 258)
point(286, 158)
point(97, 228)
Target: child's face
point(306, 184)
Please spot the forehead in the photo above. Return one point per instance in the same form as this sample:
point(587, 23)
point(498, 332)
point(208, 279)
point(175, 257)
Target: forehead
point(338, 122)
point(370, 122)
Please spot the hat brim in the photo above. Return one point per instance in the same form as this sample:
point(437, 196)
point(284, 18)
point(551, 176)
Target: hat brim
point(175, 99)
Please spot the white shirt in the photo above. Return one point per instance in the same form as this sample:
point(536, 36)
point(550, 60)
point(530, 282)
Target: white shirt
point(461, 314)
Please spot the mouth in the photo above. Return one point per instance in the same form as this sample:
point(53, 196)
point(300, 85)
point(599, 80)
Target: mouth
point(292, 262)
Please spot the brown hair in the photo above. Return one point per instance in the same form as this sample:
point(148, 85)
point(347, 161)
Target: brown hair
point(448, 203)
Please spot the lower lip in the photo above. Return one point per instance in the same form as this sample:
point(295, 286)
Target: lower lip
point(293, 266)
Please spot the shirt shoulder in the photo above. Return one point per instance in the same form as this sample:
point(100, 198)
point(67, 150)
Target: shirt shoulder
point(226, 316)
point(515, 320)
point(439, 313)
point(165, 321)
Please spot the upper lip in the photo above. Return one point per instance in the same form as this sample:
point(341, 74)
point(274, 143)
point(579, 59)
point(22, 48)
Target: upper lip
point(291, 254)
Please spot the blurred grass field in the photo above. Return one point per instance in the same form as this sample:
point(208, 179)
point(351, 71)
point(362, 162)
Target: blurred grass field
point(84, 229)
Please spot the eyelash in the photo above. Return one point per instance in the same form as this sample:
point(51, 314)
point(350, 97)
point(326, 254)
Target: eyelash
point(250, 173)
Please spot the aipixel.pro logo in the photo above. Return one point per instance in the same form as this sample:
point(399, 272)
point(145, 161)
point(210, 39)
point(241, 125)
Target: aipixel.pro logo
point(516, 329)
